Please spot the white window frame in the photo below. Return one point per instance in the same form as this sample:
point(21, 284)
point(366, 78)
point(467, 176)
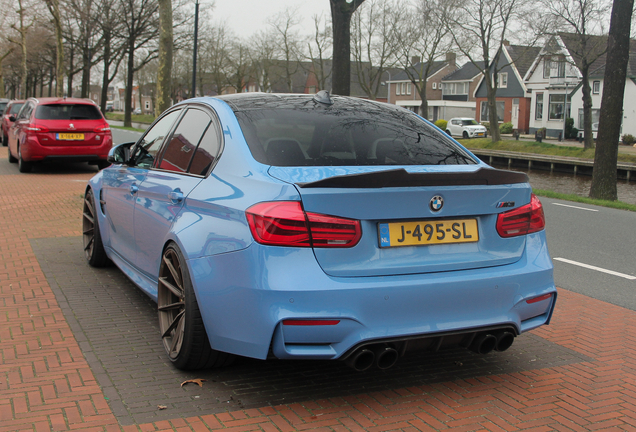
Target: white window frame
point(538, 113)
point(596, 87)
point(502, 80)
point(408, 88)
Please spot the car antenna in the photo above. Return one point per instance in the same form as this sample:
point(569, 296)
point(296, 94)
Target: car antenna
point(323, 97)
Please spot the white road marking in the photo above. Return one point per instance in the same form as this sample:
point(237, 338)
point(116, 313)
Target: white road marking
point(591, 267)
point(580, 208)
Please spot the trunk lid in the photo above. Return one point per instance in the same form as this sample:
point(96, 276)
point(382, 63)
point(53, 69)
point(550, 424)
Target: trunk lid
point(403, 198)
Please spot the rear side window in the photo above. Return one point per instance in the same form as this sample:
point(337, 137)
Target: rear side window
point(310, 134)
point(67, 112)
point(193, 146)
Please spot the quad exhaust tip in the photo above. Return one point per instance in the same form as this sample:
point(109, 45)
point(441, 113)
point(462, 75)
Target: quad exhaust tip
point(384, 356)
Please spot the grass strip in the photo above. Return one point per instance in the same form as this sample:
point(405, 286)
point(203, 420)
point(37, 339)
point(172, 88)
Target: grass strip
point(584, 200)
point(143, 118)
point(538, 148)
point(128, 128)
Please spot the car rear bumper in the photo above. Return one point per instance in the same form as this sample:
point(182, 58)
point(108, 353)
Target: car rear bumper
point(33, 151)
point(245, 296)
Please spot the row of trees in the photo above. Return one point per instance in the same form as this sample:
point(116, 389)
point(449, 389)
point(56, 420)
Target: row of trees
point(45, 42)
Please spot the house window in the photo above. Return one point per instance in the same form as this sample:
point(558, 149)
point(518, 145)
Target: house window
point(554, 67)
point(484, 114)
point(408, 88)
point(596, 87)
point(596, 114)
point(435, 86)
point(557, 106)
point(147, 105)
point(502, 80)
point(538, 108)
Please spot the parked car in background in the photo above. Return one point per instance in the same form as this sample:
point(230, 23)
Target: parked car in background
point(11, 109)
point(466, 128)
point(3, 105)
point(137, 111)
point(110, 106)
point(50, 129)
point(318, 227)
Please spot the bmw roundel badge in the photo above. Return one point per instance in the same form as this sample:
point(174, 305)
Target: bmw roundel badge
point(436, 204)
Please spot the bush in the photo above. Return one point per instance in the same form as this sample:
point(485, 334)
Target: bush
point(486, 125)
point(574, 133)
point(441, 123)
point(505, 128)
point(628, 139)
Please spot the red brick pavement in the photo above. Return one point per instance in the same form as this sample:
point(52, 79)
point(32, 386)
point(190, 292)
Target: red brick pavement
point(46, 384)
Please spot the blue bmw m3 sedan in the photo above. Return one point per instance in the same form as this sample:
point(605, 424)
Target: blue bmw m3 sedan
point(318, 227)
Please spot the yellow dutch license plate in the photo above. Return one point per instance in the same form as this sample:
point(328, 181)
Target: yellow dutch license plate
point(70, 136)
point(431, 232)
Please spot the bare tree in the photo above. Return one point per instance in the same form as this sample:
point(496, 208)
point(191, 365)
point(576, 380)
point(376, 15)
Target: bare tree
point(423, 34)
point(240, 70)
point(319, 50)
point(618, 50)
point(215, 55)
point(289, 44)
point(22, 26)
point(113, 45)
point(264, 56)
point(141, 28)
point(341, 12)
point(479, 29)
point(54, 9)
point(583, 19)
point(372, 33)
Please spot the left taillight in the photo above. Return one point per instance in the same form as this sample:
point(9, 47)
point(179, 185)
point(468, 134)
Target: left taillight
point(36, 128)
point(523, 220)
point(285, 223)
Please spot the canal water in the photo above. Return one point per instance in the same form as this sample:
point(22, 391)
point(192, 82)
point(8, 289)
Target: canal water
point(571, 184)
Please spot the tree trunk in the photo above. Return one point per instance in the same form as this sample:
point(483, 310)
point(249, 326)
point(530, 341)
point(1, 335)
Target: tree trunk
point(424, 104)
point(129, 84)
point(164, 72)
point(605, 158)
point(86, 73)
point(105, 80)
point(491, 95)
point(341, 12)
point(69, 78)
point(587, 107)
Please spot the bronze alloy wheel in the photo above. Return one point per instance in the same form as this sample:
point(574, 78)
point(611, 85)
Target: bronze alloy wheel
point(180, 322)
point(93, 247)
point(171, 303)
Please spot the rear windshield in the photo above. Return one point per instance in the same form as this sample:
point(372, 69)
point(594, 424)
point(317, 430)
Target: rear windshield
point(304, 133)
point(3, 106)
point(67, 112)
point(15, 108)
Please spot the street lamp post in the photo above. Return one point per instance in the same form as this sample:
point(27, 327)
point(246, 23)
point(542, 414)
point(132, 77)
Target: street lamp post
point(194, 51)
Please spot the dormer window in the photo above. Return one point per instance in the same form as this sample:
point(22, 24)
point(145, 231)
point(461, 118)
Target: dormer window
point(554, 66)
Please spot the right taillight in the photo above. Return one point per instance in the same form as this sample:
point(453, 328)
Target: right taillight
point(285, 223)
point(523, 220)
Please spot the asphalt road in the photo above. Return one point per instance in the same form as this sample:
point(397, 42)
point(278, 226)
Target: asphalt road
point(593, 248)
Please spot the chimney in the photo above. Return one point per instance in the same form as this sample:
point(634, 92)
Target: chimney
point(506, 42)
point(450, 58)
point(415, 60)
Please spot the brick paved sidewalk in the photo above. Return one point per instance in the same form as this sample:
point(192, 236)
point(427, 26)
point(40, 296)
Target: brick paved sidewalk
point(47, 382)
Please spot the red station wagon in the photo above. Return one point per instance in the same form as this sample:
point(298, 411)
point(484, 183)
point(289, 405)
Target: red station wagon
point(49, 129)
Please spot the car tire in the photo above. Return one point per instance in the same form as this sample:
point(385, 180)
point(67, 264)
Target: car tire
point(93, 246)
point(10, 156)
point(449, 132)
point(23, 166)
point(102, 164)
point(465, 135)
point(180, 323)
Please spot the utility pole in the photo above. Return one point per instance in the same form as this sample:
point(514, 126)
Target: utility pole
point(194, 53)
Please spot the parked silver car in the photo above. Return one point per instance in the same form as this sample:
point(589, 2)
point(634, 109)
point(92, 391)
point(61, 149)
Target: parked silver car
point(466, 128)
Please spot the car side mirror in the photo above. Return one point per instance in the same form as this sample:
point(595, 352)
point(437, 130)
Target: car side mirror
point(120, 154)
point(12, 118)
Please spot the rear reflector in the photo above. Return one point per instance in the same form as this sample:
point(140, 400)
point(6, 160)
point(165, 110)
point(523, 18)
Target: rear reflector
point(538, 299)
point(310, 322)
point(523, 220)
point(285, 223)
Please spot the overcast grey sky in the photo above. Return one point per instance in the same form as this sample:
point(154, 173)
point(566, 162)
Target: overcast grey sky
point(245, 17)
